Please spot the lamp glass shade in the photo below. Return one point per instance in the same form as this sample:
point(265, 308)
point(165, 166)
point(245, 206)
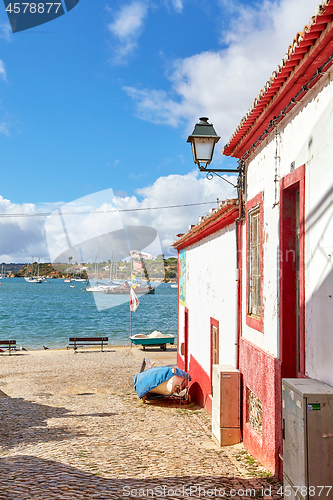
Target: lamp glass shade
point(203, 149)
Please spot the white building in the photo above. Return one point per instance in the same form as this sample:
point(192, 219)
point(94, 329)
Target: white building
point(285, 143)
point(207, 319)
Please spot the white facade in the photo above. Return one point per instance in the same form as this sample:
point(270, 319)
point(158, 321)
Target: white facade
point(211, 292)
point(306, 138)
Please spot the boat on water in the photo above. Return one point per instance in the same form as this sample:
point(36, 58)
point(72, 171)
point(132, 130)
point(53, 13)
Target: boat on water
point(126, 289)
point(154, 339)
point(2, 275)
point(98, 287)
point(173, 285)
point(32, 278)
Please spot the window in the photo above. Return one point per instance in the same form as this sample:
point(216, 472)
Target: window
point(214, 347)
point(254, 281)
point(254, 262)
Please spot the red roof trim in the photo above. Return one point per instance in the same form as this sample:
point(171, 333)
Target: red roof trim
point(308, 52)
point(208, 226)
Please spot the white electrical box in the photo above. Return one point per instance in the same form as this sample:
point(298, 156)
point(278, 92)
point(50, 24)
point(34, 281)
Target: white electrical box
point(226, 407)
point(307, 418)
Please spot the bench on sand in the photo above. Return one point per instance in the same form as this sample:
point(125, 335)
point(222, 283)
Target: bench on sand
point(8, 344)
point(76, 342)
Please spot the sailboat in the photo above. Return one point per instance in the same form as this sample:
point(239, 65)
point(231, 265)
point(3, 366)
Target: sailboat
point(79, 277)
point(31, 278)
point(67, 279)
point(97, 286)
point(2, 275)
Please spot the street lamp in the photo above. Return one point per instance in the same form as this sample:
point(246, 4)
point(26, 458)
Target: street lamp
point(203, 140)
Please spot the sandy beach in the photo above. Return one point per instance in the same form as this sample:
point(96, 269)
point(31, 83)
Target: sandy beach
point(72, 427)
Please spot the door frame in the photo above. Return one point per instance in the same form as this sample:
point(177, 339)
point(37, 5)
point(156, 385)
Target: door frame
point(291, 183)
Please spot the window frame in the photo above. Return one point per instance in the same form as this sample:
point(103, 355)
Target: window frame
point(255, 204)
point(214, 346)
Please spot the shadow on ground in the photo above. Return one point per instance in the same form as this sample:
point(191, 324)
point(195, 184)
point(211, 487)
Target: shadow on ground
point(24, 422)
point(36, 478)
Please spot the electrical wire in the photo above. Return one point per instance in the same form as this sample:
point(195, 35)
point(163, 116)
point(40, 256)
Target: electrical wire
point(115, 210)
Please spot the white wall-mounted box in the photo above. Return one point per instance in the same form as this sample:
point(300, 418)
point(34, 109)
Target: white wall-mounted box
point(307, 416)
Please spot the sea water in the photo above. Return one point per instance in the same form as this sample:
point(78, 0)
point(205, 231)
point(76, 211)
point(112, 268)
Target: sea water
point(47, 314)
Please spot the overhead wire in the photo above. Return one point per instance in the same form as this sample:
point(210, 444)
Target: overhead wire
point(114, 210)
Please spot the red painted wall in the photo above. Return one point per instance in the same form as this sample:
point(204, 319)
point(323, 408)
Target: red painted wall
point(200, 385)
point(262, 374)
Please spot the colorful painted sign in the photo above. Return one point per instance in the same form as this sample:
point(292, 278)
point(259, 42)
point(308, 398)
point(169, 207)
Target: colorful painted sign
point(182, 277)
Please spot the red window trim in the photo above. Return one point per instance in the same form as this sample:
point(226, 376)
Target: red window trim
point(213, 322)
point(293, 178)
point(251, 321)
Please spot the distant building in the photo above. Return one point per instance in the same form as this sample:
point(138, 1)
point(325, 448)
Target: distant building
point(285, 239)
point(207, 330)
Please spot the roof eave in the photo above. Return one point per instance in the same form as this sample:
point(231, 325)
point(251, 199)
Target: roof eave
point(305, 56)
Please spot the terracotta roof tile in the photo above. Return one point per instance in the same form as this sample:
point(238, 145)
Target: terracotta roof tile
point(204, 222)
point(297, 50)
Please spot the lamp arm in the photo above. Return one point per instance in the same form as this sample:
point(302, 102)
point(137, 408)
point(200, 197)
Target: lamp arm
point(210, 177)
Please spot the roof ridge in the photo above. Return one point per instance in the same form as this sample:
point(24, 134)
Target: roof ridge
point(320, 10)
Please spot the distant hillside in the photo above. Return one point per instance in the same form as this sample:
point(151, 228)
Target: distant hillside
point(10, 269)
point(157, 269)
point(45, 269)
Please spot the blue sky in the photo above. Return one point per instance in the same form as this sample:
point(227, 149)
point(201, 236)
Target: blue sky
point(105, 96)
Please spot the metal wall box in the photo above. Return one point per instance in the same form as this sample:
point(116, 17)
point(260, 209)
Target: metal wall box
point(226, 405)
point(307, 416)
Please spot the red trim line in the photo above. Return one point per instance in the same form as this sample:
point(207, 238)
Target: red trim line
point(251, 321)
point(316, 46)
point(212, 228)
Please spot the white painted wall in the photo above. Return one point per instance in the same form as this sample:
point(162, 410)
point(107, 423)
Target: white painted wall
point(211, 289)
point(306, 138)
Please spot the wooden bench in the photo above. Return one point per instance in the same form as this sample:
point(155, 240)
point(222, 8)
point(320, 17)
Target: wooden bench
point(76, 342)
point(8, 344)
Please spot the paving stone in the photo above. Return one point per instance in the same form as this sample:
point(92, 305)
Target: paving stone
point(73, 428)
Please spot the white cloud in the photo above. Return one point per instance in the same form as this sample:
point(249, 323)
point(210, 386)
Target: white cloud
point(173, 190)
point(127, 27)
point(21, 237)
point(79, 224)
point(177, 5)
point(223, 84)
point(3, 73)
point(5, 31)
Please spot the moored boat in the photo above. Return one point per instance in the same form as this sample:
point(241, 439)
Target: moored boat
point(154, 339)
point(126, 288)
point(161, 381)
point(32, 278)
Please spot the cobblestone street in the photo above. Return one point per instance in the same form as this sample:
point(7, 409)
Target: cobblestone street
point(72, 427)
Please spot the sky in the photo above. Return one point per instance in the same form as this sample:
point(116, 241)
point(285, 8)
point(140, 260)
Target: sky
point(96, 107)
